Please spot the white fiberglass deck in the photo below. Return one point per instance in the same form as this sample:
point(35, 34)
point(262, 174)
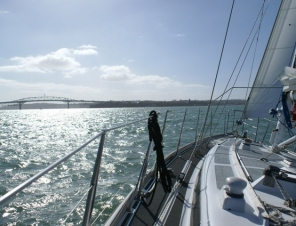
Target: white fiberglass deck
point(221, 162)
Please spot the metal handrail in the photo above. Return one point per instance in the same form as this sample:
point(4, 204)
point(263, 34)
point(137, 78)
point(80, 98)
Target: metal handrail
point(260, 126)
point(142, 173)
point(225, 123)
point(210, 137)
point(227, 120)
point(11, 193)
point(14, 191)
point(164, 121)
point(179, 141)
point(256, 130)
point(197, 125)
point(94, 182)
point(95, 176)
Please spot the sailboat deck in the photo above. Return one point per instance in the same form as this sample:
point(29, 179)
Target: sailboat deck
point(219, 165)
point(149, 215)
point(255, 160)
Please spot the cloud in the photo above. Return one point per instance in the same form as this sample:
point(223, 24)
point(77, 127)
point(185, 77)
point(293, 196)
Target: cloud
point(87, 47)
point(20, 68)
point(152, 79)
point(16, 90)
point(3, 12)
point(61, 60)
point(85, 52)
point(116, 73)
point(151, 87)
point(121, 73)
point(55, 61)
point(180, 35)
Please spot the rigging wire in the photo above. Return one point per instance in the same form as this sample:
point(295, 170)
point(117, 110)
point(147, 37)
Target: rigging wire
point(243, 49)
point(235, 69)
point(259, 28)
point(257, 32)
point(218, 68)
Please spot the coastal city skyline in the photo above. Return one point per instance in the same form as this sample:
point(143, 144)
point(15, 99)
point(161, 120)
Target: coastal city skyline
point(126, 50)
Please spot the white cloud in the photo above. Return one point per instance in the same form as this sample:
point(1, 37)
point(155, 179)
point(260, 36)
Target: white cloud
point(180, 35)
point(116, 73)
point(68, 76)
point(17, 90)
point(85, 52)
point(3, 12)
point(61, 60)
point(19, 68)
point(123, 74)
point(56, 61)
point(152, 79)
point(87, 47)
point(137, 88)
point(63, 52)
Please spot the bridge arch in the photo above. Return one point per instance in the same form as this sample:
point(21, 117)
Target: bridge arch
point(20, 102)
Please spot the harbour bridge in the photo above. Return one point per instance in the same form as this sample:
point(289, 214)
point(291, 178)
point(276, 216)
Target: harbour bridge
point(44, 98)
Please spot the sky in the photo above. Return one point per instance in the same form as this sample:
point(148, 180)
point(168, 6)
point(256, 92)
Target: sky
point(129, 49)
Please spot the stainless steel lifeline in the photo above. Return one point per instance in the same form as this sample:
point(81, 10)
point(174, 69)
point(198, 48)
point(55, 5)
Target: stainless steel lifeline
point(94, 181)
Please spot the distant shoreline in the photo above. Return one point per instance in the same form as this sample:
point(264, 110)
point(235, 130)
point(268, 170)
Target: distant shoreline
point(125, 104)
point(179, 103)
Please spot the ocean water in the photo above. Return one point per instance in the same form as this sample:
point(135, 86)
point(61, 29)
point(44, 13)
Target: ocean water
point(33, 139)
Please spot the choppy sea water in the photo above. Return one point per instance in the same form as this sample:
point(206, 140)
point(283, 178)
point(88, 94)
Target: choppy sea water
point(33, 139)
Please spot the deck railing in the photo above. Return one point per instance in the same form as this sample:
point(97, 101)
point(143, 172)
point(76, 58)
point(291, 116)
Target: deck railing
point(94, 181)
point(91, 190)
point(257, 129)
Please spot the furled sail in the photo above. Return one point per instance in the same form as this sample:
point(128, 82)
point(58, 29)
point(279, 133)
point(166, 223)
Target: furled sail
point(277, 56)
